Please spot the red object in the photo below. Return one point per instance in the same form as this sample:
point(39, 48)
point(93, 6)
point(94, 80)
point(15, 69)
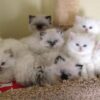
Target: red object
point(7, 86)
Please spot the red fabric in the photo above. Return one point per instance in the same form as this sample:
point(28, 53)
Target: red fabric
point(7, 86)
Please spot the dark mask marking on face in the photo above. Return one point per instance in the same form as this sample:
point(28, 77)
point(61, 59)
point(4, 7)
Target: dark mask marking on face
point(59, 58)
point(65, 76)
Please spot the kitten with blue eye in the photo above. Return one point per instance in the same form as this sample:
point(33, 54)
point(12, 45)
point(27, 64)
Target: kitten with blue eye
point(85, 25)
point(13, 68)
point(63, 68)
point(16, 62)
point(7, 62)
point(45, 41)
point(80, 48)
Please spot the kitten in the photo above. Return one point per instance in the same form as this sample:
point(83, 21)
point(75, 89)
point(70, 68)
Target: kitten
point(62, 69)
point(49, 39)
point(85, 25)
point(7, 63)
point(80, 48)
point(39, 23)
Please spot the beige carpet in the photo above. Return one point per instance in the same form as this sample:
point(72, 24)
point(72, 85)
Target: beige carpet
point(69, 90)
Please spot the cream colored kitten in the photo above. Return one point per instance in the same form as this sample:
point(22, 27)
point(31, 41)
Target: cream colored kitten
point(80, 48)
point(39, 23)
point(18, 68)
point(45, 41)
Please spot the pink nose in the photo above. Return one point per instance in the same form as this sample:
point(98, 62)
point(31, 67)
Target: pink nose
point(80, 49)
point(86, 29)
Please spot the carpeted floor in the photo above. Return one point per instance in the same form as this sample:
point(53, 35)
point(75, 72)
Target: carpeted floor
point(68, 90)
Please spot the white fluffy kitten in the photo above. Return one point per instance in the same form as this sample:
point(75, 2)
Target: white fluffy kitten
point(85, 25)
point(89, 25)
point(49, 39)
point(80, 47)
point(7, 62)
point(62, 69)
point(39, 22)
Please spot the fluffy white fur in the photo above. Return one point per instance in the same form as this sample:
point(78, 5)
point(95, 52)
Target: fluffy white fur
point(19, 62)
point(68, 66)
point(80, 47)
point(24, 72)
point(17, 47)
point(41, 42)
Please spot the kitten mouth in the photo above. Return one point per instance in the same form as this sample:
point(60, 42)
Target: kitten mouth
point(80, 50)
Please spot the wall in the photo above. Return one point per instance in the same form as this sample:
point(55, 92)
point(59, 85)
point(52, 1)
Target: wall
point(14, 14)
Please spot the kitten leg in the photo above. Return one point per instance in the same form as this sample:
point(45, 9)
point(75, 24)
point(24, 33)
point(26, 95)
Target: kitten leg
point(84, 73)
point(91, 71)
point(52, 75)
point(40, 76)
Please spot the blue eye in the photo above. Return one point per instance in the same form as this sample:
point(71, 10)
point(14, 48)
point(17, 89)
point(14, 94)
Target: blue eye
point(77, 44)
point(90, 27)
point(84, 45)
point(84, 26)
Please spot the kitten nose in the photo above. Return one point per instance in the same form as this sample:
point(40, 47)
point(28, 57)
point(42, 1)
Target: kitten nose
point(80, 49)
point(64, 76)
point(39, 26)
point(52, 43)
point(86, 29)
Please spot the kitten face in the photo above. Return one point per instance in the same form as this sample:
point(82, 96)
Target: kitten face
point(88, 25)
point(51, 38)
point(80, 44)
point(68, 68)
point(6, 59)
point(39, 22)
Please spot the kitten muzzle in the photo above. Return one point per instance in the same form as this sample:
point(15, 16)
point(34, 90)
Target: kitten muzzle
point(40, 26)
point(52, 43)
point(64, 76)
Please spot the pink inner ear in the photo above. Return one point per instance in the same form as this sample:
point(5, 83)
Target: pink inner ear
point(78, 18)
point(72, 35)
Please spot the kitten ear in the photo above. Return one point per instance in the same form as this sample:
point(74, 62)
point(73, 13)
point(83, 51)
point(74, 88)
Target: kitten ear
point(9, 51)
point(59, 30)
point(59, 59)
point(31, 18)
point(48, 18)
point(72, 35)
point(78, 18)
